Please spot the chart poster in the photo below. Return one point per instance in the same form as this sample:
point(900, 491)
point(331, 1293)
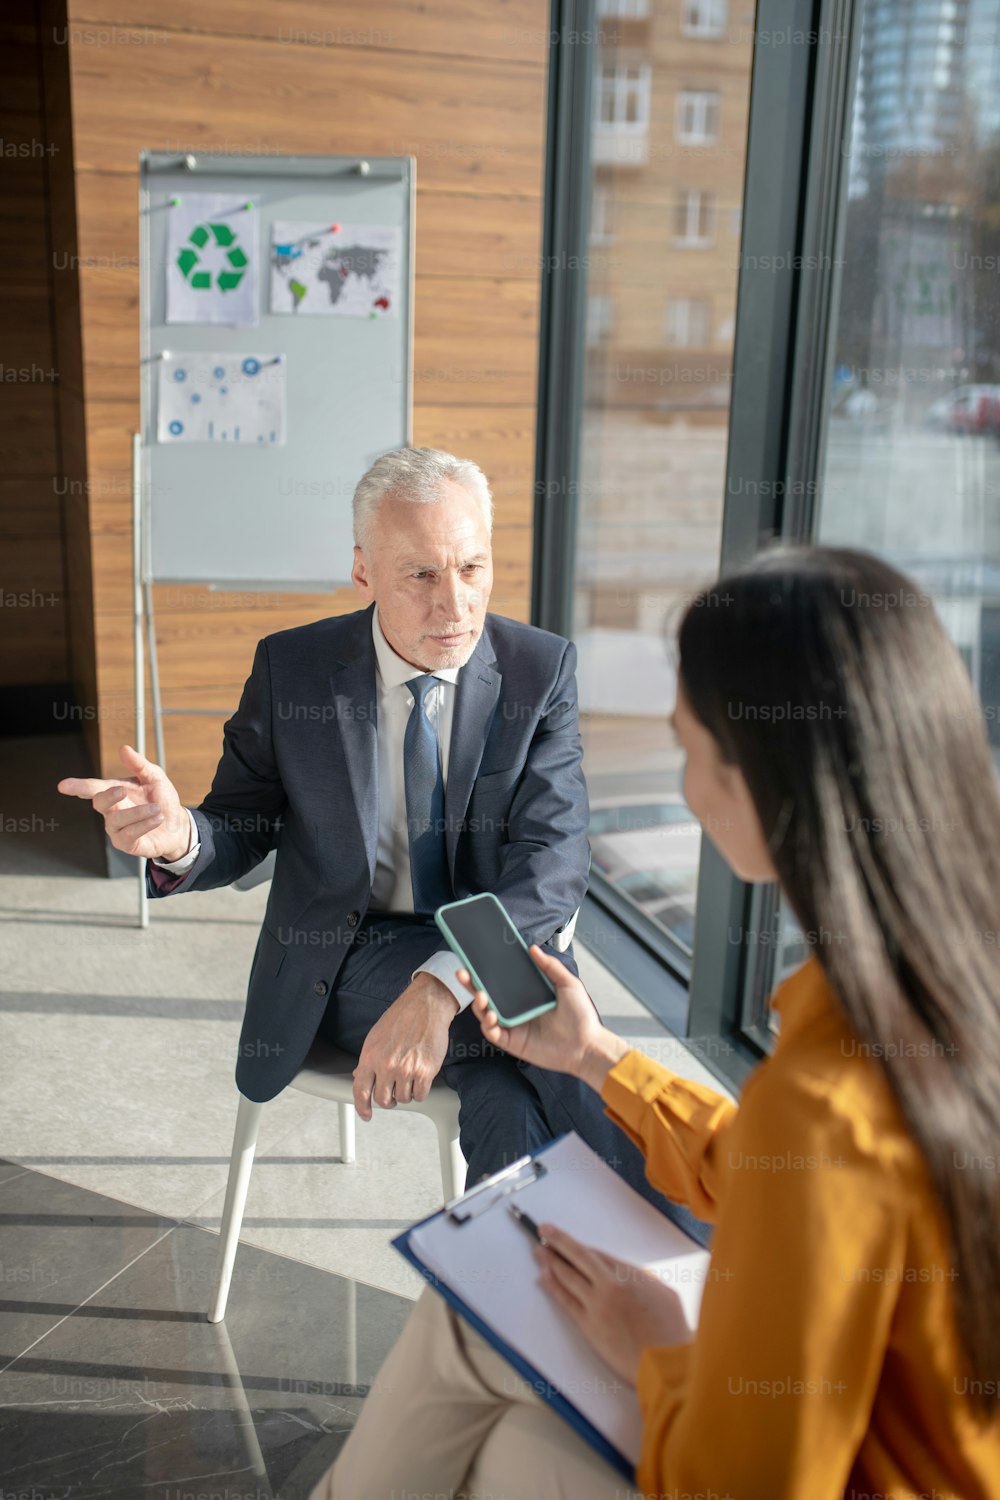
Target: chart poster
point(221, 398)
point(336, 270)
point(212, 259)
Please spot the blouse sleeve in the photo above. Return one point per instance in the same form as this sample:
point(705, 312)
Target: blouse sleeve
point(679, 1127)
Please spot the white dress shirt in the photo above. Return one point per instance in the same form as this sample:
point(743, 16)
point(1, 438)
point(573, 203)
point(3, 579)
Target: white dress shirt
point(391, 888)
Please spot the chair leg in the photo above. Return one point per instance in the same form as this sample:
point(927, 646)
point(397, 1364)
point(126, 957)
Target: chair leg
point(453, 1166)
point(347, 1119)
point(240, 1167)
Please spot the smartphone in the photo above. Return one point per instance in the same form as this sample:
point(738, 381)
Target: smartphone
point(496, 955)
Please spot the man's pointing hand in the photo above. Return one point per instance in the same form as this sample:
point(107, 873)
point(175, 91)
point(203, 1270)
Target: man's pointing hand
point(142, 812)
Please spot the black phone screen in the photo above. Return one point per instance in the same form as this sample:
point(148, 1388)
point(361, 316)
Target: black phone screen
point(491, 944)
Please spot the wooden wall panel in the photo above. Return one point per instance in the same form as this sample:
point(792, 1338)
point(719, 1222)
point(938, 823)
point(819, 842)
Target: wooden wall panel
point(475, 127)
point(507, 30)
point(71, 480)
point(461, 86)
point(33, 604)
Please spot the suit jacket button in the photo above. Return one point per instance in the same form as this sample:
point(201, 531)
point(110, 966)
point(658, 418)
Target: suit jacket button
point(320, 987)
point(353, 918)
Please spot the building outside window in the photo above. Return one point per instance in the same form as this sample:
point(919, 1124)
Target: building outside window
point(910, 462)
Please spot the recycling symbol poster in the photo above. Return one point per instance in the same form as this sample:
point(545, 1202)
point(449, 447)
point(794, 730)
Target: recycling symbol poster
point(212, 260)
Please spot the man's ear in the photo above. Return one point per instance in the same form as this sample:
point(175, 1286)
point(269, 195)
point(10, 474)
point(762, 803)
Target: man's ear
point(361, 574)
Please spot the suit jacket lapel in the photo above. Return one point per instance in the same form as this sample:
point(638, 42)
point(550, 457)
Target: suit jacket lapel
point(476, 694)
point(355, 697)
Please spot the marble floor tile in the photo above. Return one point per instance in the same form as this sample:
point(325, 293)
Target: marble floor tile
point(136, 1395)
point(58, 1245)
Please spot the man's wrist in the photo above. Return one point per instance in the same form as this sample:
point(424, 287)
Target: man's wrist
point(439, 992)
point(189, 837)
point(182, 852)
point(442, 966)
point(600, 1056)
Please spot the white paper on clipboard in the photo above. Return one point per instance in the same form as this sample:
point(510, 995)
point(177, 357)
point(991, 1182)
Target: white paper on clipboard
point(488, 1262)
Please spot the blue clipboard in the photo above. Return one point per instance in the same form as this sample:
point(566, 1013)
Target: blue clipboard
point(459, 1208)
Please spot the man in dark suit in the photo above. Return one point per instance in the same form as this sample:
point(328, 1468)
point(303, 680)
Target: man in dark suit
point(413, 752)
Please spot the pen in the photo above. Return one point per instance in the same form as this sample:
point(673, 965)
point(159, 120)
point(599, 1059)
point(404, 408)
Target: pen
point(528, 1223)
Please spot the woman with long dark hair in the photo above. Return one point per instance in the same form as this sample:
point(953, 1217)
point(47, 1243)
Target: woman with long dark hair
point(849, 1337)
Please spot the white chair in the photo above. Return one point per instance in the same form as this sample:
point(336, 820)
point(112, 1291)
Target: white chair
point(327, 1073)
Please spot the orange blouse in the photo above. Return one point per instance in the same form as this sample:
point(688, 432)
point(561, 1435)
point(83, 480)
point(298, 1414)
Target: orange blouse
point(825, 1362)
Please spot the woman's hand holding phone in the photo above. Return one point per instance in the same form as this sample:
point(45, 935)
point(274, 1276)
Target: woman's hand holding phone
point(568, 1039)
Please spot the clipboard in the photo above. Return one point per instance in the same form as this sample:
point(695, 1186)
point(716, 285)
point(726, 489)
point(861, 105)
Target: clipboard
point(476, 1256)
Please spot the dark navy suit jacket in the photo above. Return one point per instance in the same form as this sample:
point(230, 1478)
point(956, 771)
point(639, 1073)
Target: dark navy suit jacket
point(299, 773)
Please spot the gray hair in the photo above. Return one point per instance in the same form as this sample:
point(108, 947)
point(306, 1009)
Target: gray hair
point(415, 474)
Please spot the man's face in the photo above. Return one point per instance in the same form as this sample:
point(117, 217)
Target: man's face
point(430, 570)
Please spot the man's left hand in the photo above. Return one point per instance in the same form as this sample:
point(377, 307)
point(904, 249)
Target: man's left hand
point(404, 1050)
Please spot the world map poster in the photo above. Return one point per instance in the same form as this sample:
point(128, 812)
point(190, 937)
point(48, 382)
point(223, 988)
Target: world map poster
point(335, 270)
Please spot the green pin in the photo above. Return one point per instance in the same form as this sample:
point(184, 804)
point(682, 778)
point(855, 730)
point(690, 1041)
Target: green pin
point(175, 203)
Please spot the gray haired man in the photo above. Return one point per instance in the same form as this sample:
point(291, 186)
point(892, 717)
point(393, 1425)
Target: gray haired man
point(417, 750)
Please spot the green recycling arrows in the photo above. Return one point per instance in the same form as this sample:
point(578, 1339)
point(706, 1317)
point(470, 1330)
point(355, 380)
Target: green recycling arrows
point(188, 259)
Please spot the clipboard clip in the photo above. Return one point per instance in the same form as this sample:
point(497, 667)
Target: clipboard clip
point(500, 1185)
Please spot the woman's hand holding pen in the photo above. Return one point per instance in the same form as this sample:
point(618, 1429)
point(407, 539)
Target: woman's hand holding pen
point(619, 1308)
point(568, 1039)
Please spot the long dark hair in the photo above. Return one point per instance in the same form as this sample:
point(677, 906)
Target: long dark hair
point(826, 676)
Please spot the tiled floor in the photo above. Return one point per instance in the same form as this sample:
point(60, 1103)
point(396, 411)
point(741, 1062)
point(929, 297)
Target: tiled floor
point(113, 1385)
point(117, 1106)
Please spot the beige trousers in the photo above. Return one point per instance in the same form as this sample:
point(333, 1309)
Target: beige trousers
point(448, 1418)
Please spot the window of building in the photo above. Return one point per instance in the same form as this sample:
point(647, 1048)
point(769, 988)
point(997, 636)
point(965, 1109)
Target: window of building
point(626, 10)
point(602, 229)
point(697, 117)
point(600, 318)
point(694, 218)
point(623, 96)
point(687, 323)
point(704, 17)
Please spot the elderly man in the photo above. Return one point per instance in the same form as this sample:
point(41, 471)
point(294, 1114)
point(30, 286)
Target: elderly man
point(410, 753)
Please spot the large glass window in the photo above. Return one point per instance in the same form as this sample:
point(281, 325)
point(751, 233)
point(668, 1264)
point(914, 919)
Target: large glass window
point(667, 178)
point(863, 406)
point(910, 458)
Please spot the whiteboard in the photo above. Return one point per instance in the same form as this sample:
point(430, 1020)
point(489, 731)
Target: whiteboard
point(239, 515)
